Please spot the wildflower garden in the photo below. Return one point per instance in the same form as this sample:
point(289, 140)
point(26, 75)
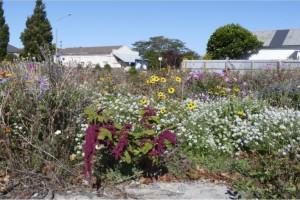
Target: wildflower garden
point(62, 127)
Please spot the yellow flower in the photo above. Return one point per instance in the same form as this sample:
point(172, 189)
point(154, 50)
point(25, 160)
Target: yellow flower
point(178, 79)
point(161, 95)
point(101, 79)
point(144, 101)
point(163, 80)
point(162, 110)
point(171, 90)
point(152, 81)
point(241, 114)
point(154, 78)
point(148, 81)
point(191, 105)
point(72, 157)
point(236, 90)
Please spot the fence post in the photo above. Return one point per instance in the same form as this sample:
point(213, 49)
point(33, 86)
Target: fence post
point(278, 68)
point(252, 66)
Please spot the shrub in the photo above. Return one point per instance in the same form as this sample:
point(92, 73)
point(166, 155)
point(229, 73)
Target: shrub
point(107, 67)
point(97, 67)
point(232, 41)
point(136, 144)
point(132, 71)
point(282, 94)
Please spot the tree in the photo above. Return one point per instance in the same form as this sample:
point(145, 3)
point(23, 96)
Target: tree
point(232, 41)
point(38, 32)
point(171, 50)
point(4, 34)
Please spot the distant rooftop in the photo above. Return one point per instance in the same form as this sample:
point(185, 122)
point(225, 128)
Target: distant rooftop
point(12, 49)
point(104, 50)
point(279, 39)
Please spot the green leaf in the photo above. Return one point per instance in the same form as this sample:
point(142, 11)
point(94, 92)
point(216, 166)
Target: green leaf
point(104, 133)
point(118, 126)
point(126, 157)
point(142, 112)
point(136, 151)
point(168, 144)
point(149, 132)
point(154, 119)
point(91, 114)
point(147, 147)
point(137, 134)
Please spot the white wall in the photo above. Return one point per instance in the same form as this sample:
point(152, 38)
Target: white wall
point(85, 60)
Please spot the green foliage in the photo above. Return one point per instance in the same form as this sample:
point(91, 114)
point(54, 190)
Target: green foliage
point(171, 50)
point(232, 41)
point(269, 176)
point(132, 143)
point(4, 34)
point(38, 33)
point(132, 71)
point(107, 67)
point(10, 57)
point(282, 94)
point(207, 56)
point(152, 58)
point(98, 67)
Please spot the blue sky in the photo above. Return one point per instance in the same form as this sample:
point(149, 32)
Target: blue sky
point(97, 23)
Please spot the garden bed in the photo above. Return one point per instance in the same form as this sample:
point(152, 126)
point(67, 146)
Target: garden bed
point(62, 127)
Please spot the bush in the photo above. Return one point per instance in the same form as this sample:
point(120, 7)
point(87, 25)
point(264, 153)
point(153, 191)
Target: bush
point(132, 71)
point(97, 67)
point(107, 67)
point(135, 144)
point(232, 41)
point(282, 94)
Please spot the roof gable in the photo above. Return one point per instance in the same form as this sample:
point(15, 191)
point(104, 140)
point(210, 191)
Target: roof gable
point(12, 49)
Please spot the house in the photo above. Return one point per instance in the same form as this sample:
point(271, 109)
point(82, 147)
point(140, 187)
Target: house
point(13, 50)
point(115, 56)
point(278, 45)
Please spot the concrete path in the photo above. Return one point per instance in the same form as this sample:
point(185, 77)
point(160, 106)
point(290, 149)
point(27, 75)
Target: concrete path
point(180, 190)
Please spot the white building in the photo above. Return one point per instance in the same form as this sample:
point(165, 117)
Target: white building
point(278, 45)
point(115, 56)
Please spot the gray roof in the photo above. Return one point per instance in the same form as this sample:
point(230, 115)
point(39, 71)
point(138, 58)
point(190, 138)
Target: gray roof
point(12, 49)
point(279, 39)
point(89, 50)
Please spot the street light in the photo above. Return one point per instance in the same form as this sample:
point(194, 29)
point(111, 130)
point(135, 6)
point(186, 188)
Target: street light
point(160, 59)
point(56, 30)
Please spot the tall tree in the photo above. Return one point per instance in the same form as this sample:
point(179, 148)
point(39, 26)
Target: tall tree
point(4, 34)
point(232, 41)
point(38, 32)
point(171, 50)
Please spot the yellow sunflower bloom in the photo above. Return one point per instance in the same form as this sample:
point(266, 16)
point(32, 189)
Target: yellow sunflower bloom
point(161, 95)
point(163, 80)
point(144, 101)
point(241, 114)
point(162, 110)
point(154, 78)
point(171, 90)
point(236, 90)
point(191, 105)
point(178, 79)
